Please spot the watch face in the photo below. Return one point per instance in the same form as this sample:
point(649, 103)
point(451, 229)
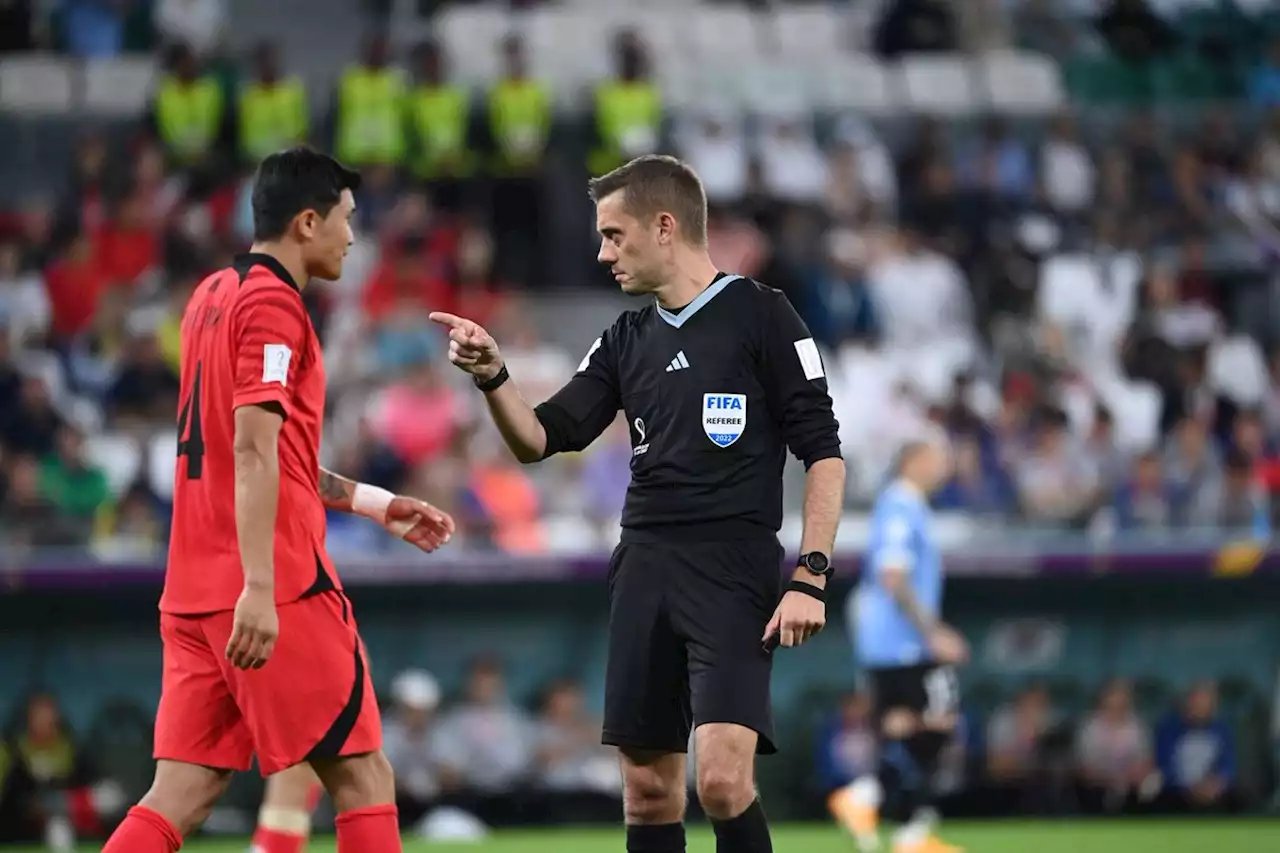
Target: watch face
point(816, 563)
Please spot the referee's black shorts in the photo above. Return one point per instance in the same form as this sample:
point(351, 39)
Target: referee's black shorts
point(685, 623)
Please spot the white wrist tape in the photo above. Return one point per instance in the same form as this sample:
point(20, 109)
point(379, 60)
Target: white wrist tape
point(371, 502)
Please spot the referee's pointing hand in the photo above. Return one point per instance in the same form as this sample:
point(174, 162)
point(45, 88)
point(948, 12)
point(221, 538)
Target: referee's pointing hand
point(797, 618)
point(470, 346)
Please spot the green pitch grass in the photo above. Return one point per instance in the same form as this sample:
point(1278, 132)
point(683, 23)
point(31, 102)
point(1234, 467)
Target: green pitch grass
point(1156, 836)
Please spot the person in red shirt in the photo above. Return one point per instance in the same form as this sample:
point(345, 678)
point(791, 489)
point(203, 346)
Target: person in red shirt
point(261, 653)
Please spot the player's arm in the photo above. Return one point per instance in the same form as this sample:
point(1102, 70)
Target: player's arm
point(415, 521)
point(796, 386)
point(257, 490)
point(573, 417)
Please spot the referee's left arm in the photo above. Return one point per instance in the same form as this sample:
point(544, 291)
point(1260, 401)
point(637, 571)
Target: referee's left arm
point(796, 386)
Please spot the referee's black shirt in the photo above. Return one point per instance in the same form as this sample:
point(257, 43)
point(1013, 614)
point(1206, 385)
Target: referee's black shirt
point(714, 394)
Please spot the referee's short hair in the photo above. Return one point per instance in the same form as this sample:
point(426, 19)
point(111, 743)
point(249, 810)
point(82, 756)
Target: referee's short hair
point(659, 183)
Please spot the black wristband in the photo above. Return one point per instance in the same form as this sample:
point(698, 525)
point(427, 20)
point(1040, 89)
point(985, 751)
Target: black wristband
point(494, 382)
point(808, 589)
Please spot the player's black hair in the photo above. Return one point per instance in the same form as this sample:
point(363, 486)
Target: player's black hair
point(291, 181)
point(658, 183)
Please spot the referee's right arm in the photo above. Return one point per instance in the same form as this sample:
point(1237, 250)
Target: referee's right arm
point(573, 417)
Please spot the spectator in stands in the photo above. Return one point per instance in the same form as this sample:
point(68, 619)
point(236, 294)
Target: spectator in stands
point(10, 383)
point(145, 390)
point(1264, 85)
point(793, 170)
point(1133, 31)
point(93, 29)
point(189, 116)
point(916, 26)
point(1056, 486)
point(404, 286)
point(862, 182)
point(1067, 169)
point(442, 123)
point(1145, 502)
point(504, 504)
point(520, 119)
point(1193, 467)
point(198, 24)
point(31, 426)
point(137, 527)
point(411, 744)
point(627, 112)
point(418, 417)
point(17, 33)
point(846, 744)
point(1243, 505)
point(714, 143)
point(487, 744)
point(76, 283)
point(1113, 753)
point(127, 247)
point(606, 473)
point(28, 518)
point(24, 302)
point(76, 487)
point(997, 163)
point(835, 302)
point(1196, 755)
point(44, 780)
point(979, 486)
point(580, 776)
point(368, 111)
point(1100, 449)
point(1020, 742)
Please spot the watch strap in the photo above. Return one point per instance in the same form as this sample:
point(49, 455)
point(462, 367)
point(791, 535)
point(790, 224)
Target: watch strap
point(494, 382)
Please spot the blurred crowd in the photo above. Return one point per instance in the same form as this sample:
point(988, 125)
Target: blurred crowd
point(1031, 757)
point(1086, 302)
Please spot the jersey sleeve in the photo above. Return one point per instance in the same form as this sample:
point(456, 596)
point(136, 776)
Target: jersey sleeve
point(270, 329)
point(892, 541)
point(581, 410)
point(796, 384)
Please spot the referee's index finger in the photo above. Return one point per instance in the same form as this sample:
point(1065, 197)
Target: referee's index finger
point(444, 318)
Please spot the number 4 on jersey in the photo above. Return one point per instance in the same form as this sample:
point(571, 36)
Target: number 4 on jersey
point(192, 446)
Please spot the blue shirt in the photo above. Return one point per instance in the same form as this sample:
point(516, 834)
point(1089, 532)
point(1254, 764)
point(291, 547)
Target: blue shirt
point(1188, 754)
point(900, 539)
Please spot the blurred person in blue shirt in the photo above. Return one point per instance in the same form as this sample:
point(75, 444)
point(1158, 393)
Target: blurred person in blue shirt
point(909, 654)
point(1146, 501)
point(846, 744)
point(94, 29)
point(998, 162)
point(1196, 755)
point(1264, 87)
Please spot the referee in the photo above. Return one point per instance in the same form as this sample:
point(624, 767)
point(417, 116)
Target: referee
point(718, 376)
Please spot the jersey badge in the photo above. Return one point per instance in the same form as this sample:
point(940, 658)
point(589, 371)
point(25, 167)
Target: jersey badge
point(642, 446)
point(724, 417)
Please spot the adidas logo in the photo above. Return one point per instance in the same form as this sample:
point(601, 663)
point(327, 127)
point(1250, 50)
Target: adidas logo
point(678, 363)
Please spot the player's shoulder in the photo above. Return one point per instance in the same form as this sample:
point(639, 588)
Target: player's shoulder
point(897, 500)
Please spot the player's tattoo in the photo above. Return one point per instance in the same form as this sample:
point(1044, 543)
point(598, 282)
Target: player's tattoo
point(336, 492)
point(906, 601)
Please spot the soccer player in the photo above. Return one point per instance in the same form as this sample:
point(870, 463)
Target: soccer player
point(284, 821)
point(261, 653)
point(718, 376)
point(909, 656)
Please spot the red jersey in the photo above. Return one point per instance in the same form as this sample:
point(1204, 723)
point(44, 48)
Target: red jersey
point(246, 340)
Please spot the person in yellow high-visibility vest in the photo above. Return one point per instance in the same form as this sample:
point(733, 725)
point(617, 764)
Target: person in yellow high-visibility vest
point(273, 111)
point(440, 118)
point(520, 114)
point(628, 109)
point(189, 111)
point(369, 128)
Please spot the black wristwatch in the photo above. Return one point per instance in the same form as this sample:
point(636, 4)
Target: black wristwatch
point(494, 382)
point(816, 563)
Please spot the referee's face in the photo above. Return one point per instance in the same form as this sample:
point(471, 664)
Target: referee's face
point(627, 246)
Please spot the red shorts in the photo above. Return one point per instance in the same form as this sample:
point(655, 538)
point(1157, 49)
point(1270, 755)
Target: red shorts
point(313, 699)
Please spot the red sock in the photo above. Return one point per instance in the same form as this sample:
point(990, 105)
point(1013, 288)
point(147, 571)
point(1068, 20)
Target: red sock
point(275, 841)
point(144, 831)
point(372, 830)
